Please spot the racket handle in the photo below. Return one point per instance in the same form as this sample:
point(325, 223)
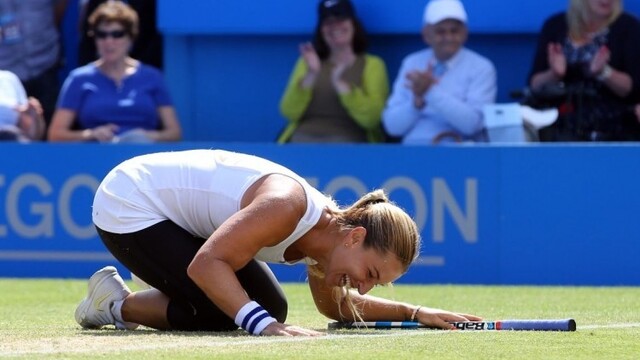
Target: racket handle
point(539, 325)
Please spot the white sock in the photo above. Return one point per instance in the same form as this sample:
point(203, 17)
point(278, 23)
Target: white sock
point(116, 310)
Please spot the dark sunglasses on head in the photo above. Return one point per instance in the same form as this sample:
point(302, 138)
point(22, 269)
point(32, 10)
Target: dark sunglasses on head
point(116, 34)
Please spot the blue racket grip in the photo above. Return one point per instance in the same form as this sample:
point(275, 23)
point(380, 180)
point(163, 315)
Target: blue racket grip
point(539, 325)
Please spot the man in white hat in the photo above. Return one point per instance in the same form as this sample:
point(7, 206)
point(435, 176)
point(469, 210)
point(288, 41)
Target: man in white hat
point(440, 91)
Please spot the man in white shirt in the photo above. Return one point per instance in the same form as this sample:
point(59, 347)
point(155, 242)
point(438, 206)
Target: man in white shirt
point(439, 92)
point(20, 117)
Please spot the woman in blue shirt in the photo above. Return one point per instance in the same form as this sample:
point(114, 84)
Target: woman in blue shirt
point(116, 98)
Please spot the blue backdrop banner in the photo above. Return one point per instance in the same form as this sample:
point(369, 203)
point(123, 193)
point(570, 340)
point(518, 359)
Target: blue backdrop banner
point(488, 215)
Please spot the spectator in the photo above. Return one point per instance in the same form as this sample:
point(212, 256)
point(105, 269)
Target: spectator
point(337, 90)
point(30, 46)
point(591, 53)
point(21, 118)
point(440, 91)
point(116, 98)
point(148, 45)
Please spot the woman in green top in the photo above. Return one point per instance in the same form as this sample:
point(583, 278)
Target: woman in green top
point(336, 92)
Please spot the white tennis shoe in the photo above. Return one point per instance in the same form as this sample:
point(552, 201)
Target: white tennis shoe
point(105, 287)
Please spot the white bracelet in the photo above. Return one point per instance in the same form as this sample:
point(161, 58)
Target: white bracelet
point(605, 73)
point(253, 318)
point(415, 312)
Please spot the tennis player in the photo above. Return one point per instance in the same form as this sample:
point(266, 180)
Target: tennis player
point(198, 226)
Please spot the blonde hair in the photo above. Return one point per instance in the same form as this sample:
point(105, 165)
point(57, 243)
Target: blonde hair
point(389, 230)
point(578, 15)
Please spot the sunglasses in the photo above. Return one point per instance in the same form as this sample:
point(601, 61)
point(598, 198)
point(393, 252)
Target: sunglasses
point(116, 34)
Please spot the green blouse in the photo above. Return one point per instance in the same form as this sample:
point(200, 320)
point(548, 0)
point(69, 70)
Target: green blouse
point(364, 103)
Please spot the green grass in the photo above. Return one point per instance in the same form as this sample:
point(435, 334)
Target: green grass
point(36, 321)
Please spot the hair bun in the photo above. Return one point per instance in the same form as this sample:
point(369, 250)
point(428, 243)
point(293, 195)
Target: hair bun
point(376, 197)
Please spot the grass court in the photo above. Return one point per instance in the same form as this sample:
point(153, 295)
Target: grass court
point(36, 321)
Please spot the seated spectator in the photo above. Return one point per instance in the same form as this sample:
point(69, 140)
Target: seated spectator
point(116, 98)
point(21, 118)
point(590, 52)
point(148, 45)
point(30, 47)
point(439, 92)
point(337, 90)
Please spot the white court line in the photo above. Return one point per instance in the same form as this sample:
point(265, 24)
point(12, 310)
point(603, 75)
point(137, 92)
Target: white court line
point(206, 341)
point(86, 256)
point(608, 326)
point(56, 255)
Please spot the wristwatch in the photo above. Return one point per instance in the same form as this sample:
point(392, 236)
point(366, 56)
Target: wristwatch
point(605, 73)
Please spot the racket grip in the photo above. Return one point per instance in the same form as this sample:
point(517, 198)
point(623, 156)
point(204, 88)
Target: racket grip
point(539, 325)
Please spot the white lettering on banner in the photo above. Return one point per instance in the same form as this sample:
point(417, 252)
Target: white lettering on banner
point(465, 218)
point(45, 209)
point(443, 201)
point(417, 194)
point(345, 182)
point(64, 205)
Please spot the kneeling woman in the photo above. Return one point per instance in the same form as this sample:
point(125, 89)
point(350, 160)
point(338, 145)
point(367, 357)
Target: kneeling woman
point(199, 225)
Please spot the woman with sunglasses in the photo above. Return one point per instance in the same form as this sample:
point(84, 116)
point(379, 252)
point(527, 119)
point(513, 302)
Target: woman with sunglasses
point(115, 98)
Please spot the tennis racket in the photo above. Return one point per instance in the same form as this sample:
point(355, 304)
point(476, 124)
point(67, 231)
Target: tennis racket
point(513, 325)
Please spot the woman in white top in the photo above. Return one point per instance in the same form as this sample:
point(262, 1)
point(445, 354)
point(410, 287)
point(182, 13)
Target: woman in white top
point(198, 225)
point(20, 117)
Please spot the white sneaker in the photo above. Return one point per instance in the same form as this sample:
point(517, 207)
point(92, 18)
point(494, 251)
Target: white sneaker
point(105, 287)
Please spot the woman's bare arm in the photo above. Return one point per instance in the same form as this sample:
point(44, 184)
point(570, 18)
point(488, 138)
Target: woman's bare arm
point(273, 209)
point(374, 308)
point(171, 130)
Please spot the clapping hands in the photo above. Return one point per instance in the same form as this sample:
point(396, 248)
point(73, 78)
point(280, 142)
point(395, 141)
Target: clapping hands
point(337, 71)
point(31, 119)
point(557, 60)
point(600, 61)
point(310, 57)
point(314, 65)
point(419, 82)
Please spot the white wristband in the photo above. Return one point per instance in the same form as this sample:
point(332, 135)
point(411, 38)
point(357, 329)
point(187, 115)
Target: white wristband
point(253, 318)
point(605, 73)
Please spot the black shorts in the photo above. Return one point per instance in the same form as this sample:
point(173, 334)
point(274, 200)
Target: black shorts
point(161, 254)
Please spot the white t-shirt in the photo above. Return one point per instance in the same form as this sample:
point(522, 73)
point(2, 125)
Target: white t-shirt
point(12, 94)
point(196, 189)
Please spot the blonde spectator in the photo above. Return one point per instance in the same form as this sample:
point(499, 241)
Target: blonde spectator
point(591, 52)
